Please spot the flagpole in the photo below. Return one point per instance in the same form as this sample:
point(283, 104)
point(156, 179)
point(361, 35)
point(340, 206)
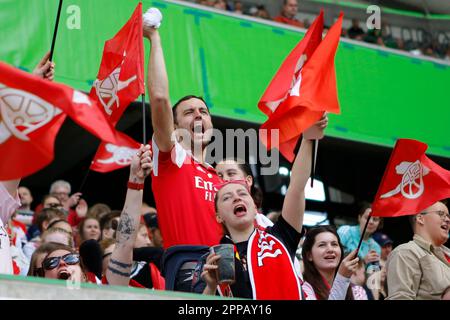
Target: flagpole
point(313, 160)
point(363, 233)
point(55, 31)
point(144, 128)
point(361, 239)
point(83, 182)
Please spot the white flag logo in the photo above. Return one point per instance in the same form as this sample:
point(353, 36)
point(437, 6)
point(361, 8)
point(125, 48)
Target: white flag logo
point(109, 87)
point(411, 186)
point(22, 113)
point(294, 90)
point(120, 155)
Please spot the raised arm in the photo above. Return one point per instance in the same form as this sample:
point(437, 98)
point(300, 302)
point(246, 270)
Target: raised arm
point(44, 69)
point(119, 268)
point(158, 88)
point(8, 199)
point(342, 280)
point(294, 201)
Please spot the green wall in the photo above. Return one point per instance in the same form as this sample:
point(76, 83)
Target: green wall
point(230, 61)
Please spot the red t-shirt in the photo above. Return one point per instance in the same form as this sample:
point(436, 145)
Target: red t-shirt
point(73, 218)
point(184, 195)
point(293, 22)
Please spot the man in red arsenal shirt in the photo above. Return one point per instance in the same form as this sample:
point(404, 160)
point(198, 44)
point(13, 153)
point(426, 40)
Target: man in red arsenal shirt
point(182, 182)
point(287, 15)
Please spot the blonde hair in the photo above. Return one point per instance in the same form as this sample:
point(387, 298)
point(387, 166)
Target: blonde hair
point(54, 230)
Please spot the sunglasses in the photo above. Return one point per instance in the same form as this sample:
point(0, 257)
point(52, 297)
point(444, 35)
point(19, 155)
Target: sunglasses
point(106, 254)
point(52, 263)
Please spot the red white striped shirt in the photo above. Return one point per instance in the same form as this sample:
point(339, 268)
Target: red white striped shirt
point(338, 290)
point(7, 207)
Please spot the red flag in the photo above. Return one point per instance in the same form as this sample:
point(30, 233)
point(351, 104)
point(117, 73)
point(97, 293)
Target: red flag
point(120, 79)
point(32, 111)
point(303, 88)
point(411, 182)
point(110, 157)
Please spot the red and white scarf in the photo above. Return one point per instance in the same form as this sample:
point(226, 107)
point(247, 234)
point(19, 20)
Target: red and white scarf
point(271, 271)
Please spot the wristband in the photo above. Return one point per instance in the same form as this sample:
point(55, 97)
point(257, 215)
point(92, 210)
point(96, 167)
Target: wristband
point(135, 186)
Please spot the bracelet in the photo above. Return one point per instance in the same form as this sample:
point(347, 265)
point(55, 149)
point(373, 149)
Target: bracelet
point(135, 186)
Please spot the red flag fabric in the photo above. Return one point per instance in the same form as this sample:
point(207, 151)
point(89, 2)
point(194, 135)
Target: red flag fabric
point(411, 183)
point(32, 111)
point(303, 88)
point(110, 157)
point(120, 79)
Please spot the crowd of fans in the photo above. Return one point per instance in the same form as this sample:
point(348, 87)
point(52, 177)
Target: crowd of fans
point(65, 218)
point(200, 207)
point(64, 223)
point(382, 37)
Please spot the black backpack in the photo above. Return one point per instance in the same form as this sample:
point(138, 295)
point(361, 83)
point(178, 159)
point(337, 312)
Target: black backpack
point(182, 266)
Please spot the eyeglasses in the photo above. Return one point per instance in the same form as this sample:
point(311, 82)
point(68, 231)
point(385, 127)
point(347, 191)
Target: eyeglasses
point(442, 214)
point(60, 194)
point(53, 262)
point(54, 205)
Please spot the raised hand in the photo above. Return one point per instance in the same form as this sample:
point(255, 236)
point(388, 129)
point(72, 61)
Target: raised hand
point(316, 131)
point(45, 69)
point(141, 164)
point(349, 265)
point(151, 21)
point(81, 208)
point(73, 200)
point(149, 31)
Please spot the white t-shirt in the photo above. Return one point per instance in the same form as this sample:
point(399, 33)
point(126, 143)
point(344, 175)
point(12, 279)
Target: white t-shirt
point(7, 207)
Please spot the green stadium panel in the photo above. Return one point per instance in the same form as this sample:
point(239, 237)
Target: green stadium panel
point(230, 60)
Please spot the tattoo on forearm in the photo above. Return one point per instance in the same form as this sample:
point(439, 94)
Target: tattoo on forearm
point(136, 180)
point(120, 264)
point(120, 273)
point(125, 228)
